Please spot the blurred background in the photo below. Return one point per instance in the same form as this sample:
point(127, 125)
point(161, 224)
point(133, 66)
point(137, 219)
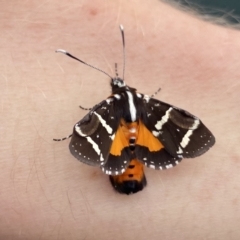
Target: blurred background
point(224, 11)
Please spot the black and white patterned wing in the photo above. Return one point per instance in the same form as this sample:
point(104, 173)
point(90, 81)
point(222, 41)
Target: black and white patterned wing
point(93, 135)
point(182, 134)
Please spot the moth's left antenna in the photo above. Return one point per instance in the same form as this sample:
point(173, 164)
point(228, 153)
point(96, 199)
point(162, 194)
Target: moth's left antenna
point(70, 55)
point(123, 42)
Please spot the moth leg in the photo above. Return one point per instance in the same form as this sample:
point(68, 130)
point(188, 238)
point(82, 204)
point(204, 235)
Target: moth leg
point(83, 108)
point(153, 95)
point(62, 139)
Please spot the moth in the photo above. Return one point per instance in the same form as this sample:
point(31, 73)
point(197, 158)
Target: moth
point(129, 130)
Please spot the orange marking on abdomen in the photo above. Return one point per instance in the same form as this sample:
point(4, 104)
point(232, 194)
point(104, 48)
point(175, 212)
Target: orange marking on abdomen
point(133, 179)
point(134, 171)
point(123, 134)
point(130, 130)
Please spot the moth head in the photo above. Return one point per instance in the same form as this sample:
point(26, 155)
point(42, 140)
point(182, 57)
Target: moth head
point(117, 83)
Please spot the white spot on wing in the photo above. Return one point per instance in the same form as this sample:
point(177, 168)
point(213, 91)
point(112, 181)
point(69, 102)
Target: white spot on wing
point(155, 133)
point(169, 166)
point(152, 166)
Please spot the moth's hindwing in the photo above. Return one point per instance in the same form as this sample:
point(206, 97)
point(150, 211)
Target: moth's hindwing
point(119, 156)
point(152, 152)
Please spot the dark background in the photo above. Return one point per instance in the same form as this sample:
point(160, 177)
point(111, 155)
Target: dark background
point(229, 10)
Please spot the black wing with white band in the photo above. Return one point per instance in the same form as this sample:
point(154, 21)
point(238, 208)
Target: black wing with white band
point(93, 135)
point(182, 134)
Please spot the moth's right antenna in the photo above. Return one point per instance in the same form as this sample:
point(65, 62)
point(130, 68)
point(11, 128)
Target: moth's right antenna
point(70, 55)
point(123, 42)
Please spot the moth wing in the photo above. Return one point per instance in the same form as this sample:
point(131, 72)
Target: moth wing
point(182, 134)
point(152, 152)
point(93, 135)
point(119, 156)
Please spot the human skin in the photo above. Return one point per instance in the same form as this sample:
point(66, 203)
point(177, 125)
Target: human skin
point(45, 192)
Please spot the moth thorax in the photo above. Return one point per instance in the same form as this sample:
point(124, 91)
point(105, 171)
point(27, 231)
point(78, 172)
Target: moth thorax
point(117, 82)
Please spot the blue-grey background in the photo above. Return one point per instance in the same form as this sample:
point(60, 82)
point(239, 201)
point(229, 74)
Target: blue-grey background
point(226, 9)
